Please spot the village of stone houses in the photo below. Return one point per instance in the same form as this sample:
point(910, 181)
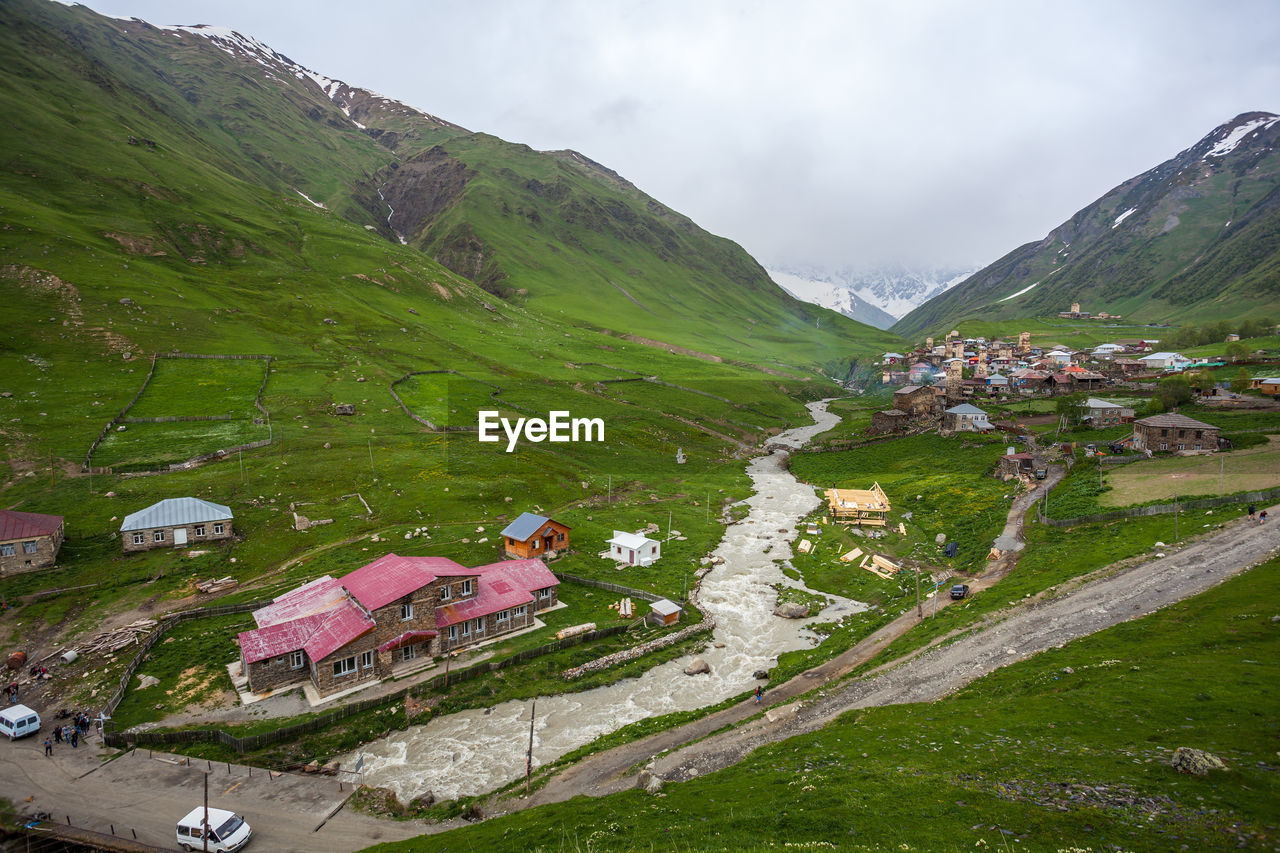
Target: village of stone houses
point(910, 496)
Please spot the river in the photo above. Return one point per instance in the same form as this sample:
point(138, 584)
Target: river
point(474, 752)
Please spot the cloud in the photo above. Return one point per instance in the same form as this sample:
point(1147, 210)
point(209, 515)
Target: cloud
point(935, 131)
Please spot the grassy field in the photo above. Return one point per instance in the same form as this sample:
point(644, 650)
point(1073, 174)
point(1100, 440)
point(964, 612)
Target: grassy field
point(1248, 470)
point(1068, 750)
point(944, 483)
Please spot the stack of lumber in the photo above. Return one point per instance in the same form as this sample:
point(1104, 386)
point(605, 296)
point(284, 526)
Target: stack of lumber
point(117, 638)
point(218, 585)
point(851, 556)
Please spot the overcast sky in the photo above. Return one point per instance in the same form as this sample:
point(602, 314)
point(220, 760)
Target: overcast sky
point(813, 133)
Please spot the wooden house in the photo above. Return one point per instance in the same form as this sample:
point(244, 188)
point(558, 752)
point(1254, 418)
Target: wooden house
point(534, 536)
point(664, 612)
point(28, 541)
point(859, 506)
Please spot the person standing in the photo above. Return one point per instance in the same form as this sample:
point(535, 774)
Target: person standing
point(75, 738)
point(57, 733)
point(48, 747)
point(1251, 512)
point(759, 694)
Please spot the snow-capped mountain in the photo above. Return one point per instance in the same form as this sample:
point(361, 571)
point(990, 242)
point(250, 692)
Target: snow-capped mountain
point(878, 297)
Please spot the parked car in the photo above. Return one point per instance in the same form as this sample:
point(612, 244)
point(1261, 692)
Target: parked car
point(960, 590)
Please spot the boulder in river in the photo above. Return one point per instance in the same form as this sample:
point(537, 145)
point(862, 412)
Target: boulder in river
point(791, 610)
point(761, 675)
point(697, 667)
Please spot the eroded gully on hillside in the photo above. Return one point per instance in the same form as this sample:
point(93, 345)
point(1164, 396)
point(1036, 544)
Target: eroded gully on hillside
point(474, 752)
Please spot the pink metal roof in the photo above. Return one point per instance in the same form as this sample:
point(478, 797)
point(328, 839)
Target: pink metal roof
point(345, 623)
point(501, 586)
point(280, 639)
point(20, 525)
point(314, 597)
point(390, 577)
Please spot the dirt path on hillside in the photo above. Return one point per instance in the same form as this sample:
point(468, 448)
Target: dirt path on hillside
point(932, 674)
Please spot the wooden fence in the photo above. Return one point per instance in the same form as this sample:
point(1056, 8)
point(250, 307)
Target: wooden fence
point(426, 423)
point(1157, 509)
point(198, 460)
point(288, 733)
point(611, 587)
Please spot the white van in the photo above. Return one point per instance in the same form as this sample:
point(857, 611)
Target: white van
point(18, 721)
point(227, 831)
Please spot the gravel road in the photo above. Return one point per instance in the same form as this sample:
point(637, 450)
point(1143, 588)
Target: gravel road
point(1030, 628)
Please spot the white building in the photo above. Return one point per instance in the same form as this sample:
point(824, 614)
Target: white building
point(634, 549)
point(1165, 360)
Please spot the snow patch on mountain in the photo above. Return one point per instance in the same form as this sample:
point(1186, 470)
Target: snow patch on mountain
point(1122, 217)
point(1237, 134)
point(885, 294)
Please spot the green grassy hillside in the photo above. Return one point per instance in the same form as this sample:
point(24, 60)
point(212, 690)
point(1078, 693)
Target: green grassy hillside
point(151, 202)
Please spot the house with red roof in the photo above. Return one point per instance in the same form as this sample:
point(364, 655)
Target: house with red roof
point(385, 617)
point(28, 541)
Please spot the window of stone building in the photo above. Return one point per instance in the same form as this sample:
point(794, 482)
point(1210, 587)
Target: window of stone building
point(366, 660)
point(199, 529)
point(158, 536)
point(468, 587)
point(406, 611)
point(7, 550)
point(346, 666)
point(217, 528)
point(295, 660)
point(139, 538)
point(29, 547)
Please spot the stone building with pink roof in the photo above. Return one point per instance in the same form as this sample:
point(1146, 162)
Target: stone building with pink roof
point(386, 617)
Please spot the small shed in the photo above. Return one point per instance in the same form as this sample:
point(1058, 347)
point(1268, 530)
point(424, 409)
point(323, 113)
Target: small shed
point(633, 549)
point(534, 536)
point(664, 612)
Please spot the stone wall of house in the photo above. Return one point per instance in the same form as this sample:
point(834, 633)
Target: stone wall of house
point(269, 674)
point(1174, 438)
point(149, 540)
point(46, 554)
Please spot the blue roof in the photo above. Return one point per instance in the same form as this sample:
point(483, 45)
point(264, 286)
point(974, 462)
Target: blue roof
point(524, 526)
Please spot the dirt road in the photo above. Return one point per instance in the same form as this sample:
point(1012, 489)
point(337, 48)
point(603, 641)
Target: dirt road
point(1029, 629)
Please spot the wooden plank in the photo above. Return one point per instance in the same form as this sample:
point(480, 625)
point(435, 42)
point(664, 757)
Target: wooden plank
point(887, 565)
point(851, 556)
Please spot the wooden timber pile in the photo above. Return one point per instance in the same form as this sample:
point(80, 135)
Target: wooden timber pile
point(117, 638)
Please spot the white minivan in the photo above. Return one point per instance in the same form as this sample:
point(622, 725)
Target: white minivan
point(18, 721)
point(227, 831)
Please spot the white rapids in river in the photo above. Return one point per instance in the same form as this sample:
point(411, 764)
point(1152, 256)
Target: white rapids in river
point(474, 752)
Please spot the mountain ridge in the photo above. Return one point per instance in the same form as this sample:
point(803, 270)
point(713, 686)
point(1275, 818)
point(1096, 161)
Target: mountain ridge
point(1192, 238)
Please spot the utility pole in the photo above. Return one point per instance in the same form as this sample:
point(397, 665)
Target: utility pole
point(528, 758)
point(1222, 465)
point(668, 525)
point(610, 500)
point(240, 455)
point(1175, 516)
point(919, 609)
point(206, 813)
point(371, 468)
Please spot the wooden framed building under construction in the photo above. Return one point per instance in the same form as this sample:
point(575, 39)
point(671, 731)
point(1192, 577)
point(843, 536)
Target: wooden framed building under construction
point(859, 506)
